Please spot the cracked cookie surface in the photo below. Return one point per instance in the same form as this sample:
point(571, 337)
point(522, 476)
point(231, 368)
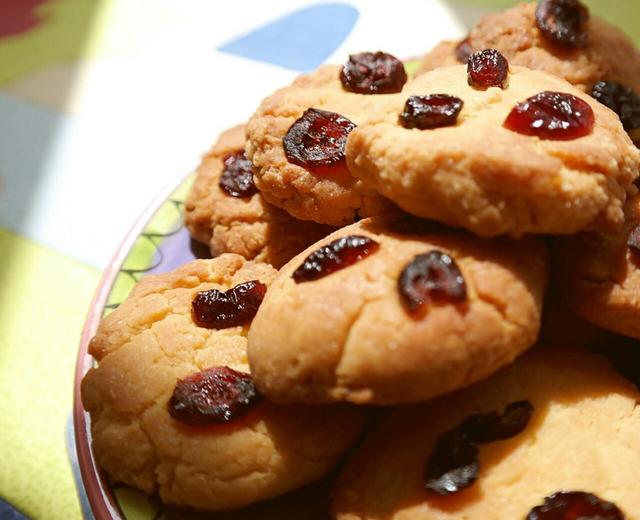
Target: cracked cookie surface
point(601, 275)
point(249, 226)
point(147, 344)
point(348, 336)
point(583, 413)
point(609, 54)
point(329, 197)
point(491, 180)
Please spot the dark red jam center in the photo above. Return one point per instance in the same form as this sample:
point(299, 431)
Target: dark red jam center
point(336, 255)
point(622, 100)
point(237, 306)
point(317, 139)
point(453, 464)
point(373, 73)
point(552, 115)
point(487, 68)
point(563, 22)
point(237, 176)
point(431, 111)
point(463, 51)
point(633, 240)
point(212, 396)
point(575, 505)
point(434, 276)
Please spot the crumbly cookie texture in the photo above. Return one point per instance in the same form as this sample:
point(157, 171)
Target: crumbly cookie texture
point(250, 227)
point(349, 337)
point(143, 348)
point(601, 276)
point(334, 197)
point(583, 435)
point(491, 180)
point(609, 54)
point(442, 55)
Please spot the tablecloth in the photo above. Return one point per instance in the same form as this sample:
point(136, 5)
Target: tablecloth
point(102, 104)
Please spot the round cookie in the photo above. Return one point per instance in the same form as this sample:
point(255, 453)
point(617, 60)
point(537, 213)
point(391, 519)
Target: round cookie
point(608, 55)
point(328, 197)
point(442, 55)
point(248, 226)
point(489, 179)
point(355, 335)
point(149, 343)
point(582, 434)
point(601, 275)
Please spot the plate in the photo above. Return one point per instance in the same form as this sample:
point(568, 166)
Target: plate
point(158, 242)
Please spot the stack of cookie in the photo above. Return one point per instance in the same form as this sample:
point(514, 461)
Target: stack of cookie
point(383, 246)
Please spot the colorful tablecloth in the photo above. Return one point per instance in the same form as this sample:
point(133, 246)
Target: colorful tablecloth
point(102, 104)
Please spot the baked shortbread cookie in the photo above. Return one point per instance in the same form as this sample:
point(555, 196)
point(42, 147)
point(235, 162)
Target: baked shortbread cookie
point(325, 193)
point(556, 422)
point(538, 156)
point(605, 54)
point(225, 211)
point(393, 310)
point(173, 409)
point(601, 274)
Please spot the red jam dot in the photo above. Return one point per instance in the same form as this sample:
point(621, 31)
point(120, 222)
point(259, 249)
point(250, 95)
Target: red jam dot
point(431, 111)
point(317, 139)
point(563, 22)
point(237, 306)
point(463, 51)
point(552, 115)
point(434, 276)
point(575, 505)
point(622, 100)
point(212, 396)
point(373, 73)
point(237, 176)
point(487, 68)
point(336, 255)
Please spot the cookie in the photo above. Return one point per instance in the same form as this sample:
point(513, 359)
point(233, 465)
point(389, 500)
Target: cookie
point(393, 310)
point(607, 54)
point(601, 274)
point(556, 420)
point(327, 194)
point(569, 173)
point(231, 216)
point(155, 427)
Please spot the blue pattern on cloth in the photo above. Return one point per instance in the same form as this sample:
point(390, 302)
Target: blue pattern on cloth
point(8, 512)
point(301, 40)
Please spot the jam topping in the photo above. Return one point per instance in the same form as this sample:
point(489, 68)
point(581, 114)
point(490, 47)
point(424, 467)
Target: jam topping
point(454, 464)
point(213, 396)
point(317, 139)
point(563, 22)
point(552, 115)
point(237, 176)
point(487, 68)
point(575, 505)
point(237, 306)
point(622, 100)
point(373, 73)
point(336, 255)
point(432, 277)
point(463, 50)
point(430, 111)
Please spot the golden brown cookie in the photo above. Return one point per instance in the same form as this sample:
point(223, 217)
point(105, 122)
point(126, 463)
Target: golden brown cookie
point(325, 195)
point(424, 311)
point(145, 347)
point(568, 422)
point(608, 54)
point(478, 174)
point(601, 275)
point(242, 223)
